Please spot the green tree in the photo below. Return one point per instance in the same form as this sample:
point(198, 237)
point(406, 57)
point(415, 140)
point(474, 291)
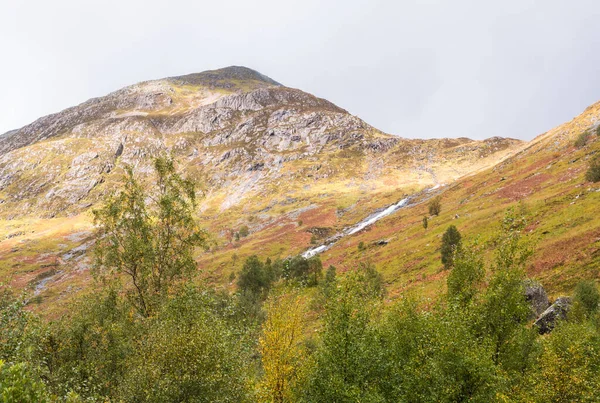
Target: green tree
point(244, 231)
point(152, 244)
point(189, 353)
point(435, 206)
point(425, 222)
point(450, 242)
point(255, 277)
point(467, 275)
point(585, 301)
point(569, 366)
point(19, 385)
point(503, 310)
point(305, 271)
point(343, 366)
point(593, 172)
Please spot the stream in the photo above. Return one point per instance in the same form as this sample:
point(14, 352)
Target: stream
point(373, 218)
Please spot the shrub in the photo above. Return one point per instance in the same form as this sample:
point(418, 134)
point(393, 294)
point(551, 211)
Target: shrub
point(450, 241)
point(425, 222)
point(244, 231)
point(305, 271)
point(254, 278)
point(18, 385)
point(435, 206)
point(586, 299)
point(593, 172)
point(361, 246)
point(582, 139)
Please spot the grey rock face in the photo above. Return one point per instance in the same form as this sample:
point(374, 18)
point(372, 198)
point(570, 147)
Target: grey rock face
point(557, 311)
point(537, 298)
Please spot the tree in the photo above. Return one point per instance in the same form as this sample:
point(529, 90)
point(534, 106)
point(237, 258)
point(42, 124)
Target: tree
point(18, 385)
point(189, 353)
point(342, 370)
point(306, 271)
point(585, 300)
point(466, 276)
point(280, 347)
point(435, 205)
point(450, 242)
point(425, 222)
point(593, 172)
point(254, 277)
point(152, 244)
point(503, 310)
point(244, 231)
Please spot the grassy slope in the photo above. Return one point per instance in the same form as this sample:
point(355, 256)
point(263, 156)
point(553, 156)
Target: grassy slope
point(547, 178)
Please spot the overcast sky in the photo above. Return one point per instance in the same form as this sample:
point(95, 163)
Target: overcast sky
point(427, 68)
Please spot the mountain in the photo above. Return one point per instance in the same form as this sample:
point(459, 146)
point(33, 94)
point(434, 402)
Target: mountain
point(289, 165)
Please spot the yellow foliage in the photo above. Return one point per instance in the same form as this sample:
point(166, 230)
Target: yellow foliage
point(280, 347)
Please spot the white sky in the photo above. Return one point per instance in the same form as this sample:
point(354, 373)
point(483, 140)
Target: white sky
point(426, 68)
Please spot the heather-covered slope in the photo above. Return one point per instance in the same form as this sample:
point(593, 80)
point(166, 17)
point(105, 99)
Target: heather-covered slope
point(286, 164)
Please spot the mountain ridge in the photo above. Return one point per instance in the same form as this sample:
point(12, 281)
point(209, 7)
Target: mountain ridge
point(260, 149)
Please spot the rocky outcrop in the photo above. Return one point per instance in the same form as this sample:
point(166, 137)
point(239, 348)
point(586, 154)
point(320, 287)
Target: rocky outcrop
point(234, 128)
point(536, 297)
point(557, 311)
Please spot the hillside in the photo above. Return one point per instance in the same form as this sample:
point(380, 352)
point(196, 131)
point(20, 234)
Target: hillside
point(290, 166)
point(546, 179)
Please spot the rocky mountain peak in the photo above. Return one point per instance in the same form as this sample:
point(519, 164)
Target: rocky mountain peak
point(227, 78)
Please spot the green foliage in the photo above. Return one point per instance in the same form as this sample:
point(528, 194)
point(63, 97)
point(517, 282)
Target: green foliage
point(86, 352)
point(244, 231)
point(425, 222)
point(593, 172)
point(450, 242)
point(361, 246)
point(306, 272)
point(569, 366)
point(435, 206)
point(434, 357)
point(585, 301)
point(255, 278)
point(343, 361)
point(582, 139)
point(467, 275)
point(151, 244)
point(19, 329)
point(189, 354)
point(503, 308)
point(19, 385)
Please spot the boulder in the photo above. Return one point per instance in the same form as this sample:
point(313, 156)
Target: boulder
point(536, 297)
point(557, 311)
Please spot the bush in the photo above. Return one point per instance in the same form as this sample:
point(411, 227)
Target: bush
point(450, 241)
point(593, 172)
point(585, 300)
point(304, 271)
point(18, 385)
point(254, 277)
point(435, 206)
point(582, 139)
point(361, 246)
point(244, 231)
point(189, 354)
point(425, 222)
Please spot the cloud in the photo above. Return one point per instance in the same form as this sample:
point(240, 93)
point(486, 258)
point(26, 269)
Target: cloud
point(411, 68)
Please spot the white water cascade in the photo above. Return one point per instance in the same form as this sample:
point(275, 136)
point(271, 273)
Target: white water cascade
point(356, 228)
